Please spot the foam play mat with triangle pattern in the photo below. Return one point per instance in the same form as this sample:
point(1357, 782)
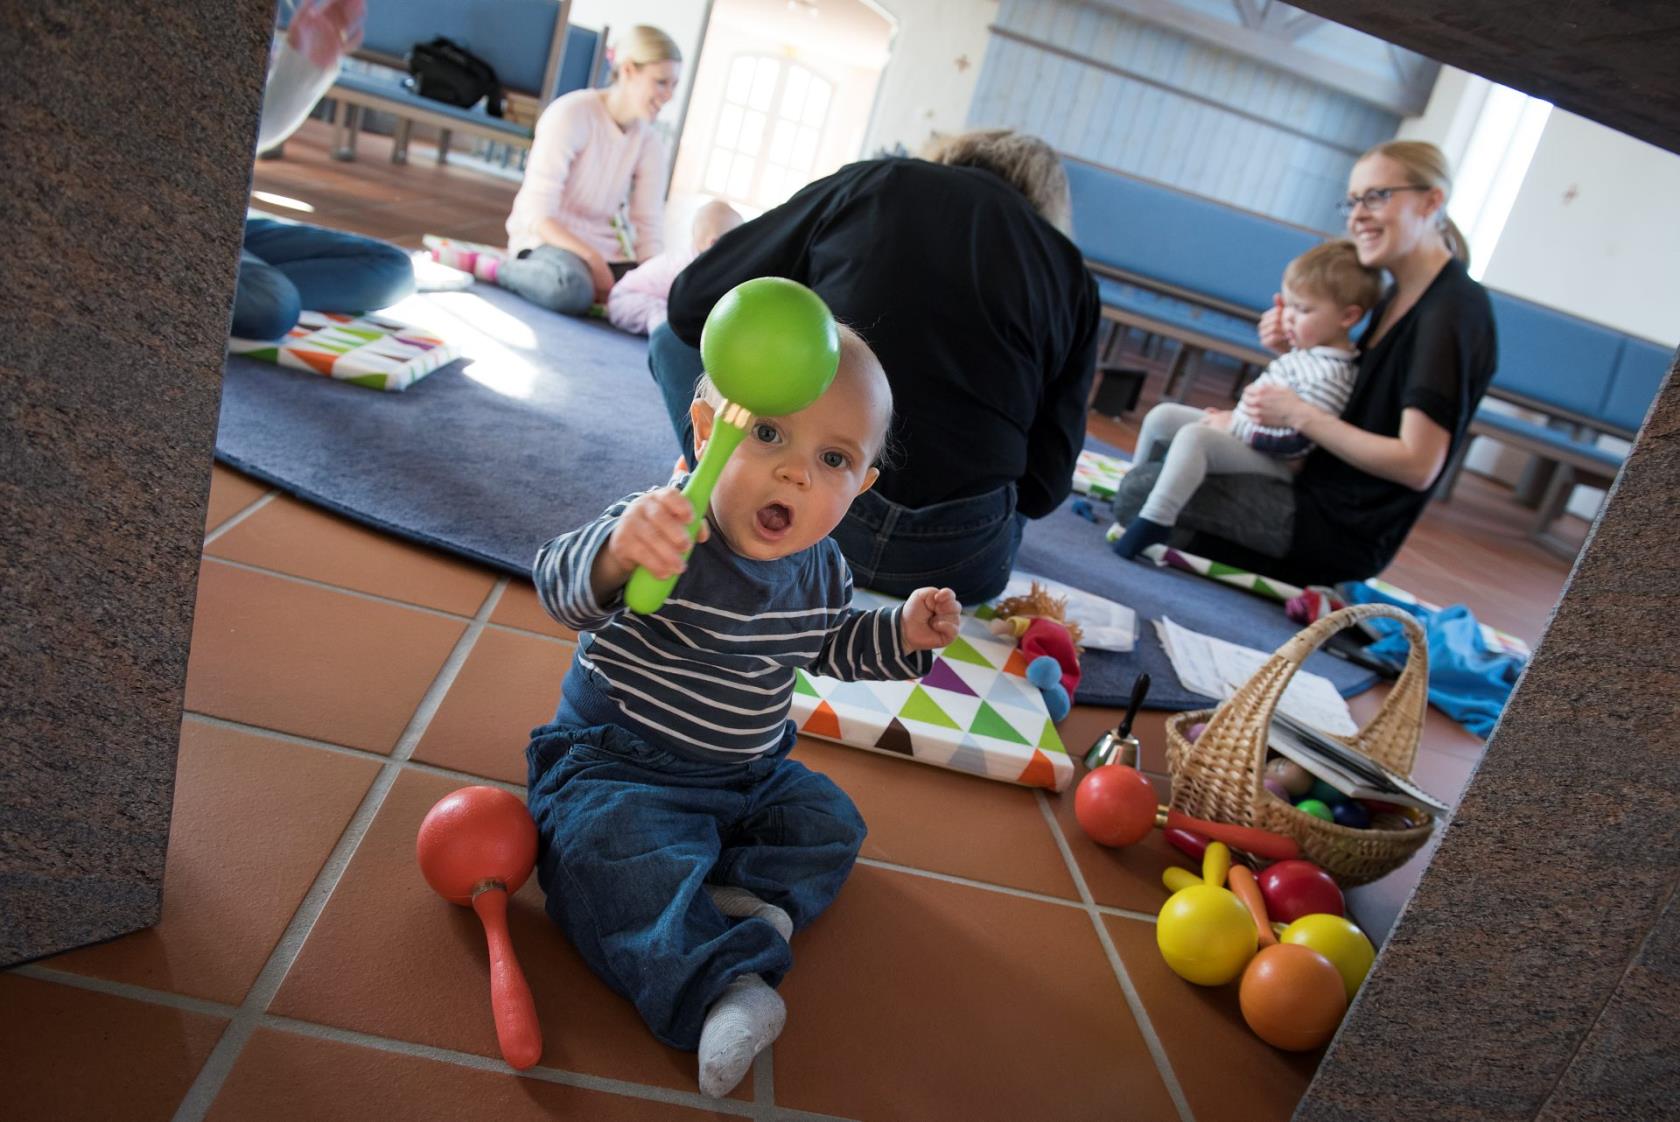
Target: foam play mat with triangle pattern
point(370, 351)
point(974, 712)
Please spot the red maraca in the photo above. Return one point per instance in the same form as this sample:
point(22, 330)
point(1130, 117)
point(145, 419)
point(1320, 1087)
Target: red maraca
point(476, 847)
point(1116, 806)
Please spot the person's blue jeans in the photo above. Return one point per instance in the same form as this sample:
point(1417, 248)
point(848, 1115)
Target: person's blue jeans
point(630, 832)
point(286, 267)
point(967, 544)
point(675, 367)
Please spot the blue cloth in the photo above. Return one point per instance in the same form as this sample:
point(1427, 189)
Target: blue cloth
point(967, 545)
point(285, 267)
point(628, 835)
point(1468, 680)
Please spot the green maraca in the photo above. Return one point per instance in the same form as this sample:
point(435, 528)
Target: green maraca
point(771, 347)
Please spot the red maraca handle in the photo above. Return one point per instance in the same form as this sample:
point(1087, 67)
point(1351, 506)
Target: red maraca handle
point(517, 1030)
point(1250, 839)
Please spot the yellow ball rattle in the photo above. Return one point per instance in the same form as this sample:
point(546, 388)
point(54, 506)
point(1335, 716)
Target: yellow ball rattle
point(771, 347)
point(1338, 940)
point(1204, 932)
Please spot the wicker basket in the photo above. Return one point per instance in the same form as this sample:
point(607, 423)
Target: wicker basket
point(1219, 777)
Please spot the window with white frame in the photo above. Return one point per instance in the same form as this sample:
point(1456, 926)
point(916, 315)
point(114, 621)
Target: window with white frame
point(768, 132)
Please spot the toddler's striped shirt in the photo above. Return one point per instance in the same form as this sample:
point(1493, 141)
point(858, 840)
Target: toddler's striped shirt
point(712, 670)
point(1322, 376)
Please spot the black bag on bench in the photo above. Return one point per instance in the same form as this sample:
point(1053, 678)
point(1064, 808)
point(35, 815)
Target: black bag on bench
point(445, 71)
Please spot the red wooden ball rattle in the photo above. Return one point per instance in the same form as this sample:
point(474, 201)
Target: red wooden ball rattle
point(1116, 805)
point(476, 847)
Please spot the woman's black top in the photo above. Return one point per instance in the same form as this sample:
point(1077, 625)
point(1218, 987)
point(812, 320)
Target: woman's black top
point(981, 312)
point(1439, 358)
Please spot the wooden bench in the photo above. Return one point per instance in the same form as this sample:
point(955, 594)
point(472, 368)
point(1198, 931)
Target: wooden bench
point(536, 53)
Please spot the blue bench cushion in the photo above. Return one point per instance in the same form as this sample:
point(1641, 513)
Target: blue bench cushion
point(1552, 358)
point(1182, 240)
point(1553, 439)
point(1639, 374)
point(393, 88)
point(513, 36)
point(1172, 312)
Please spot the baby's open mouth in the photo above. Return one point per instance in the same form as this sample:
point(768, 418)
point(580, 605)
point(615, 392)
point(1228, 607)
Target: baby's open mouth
point(774, 518)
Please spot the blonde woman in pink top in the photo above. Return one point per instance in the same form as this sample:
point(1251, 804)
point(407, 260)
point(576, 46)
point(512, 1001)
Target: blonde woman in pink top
point(592, 203)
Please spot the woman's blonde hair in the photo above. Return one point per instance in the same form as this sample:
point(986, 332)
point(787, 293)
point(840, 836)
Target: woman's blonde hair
point(1426, 166)
point(641, 45)
point(1023, 161)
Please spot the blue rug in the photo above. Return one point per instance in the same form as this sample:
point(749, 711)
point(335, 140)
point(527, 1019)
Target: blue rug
point(1070, 549)
point(550, 419)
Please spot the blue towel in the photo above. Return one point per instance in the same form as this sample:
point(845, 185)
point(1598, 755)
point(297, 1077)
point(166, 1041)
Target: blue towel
point(1468, 681)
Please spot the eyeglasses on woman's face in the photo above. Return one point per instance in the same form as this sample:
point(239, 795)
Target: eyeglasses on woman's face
point(1373, 200)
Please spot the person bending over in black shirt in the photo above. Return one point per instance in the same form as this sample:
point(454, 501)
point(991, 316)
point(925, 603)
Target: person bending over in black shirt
point(959, 271)
point(1425, 361)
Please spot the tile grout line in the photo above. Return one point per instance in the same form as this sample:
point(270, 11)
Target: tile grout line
point(764, 1085)
point(129, 990)
point(314, 582)
point(239, 516)
point(207, 1084)
point(347, 750)
point(394, 1046)
point(495, 1066)
point(1157, 1051)
point(213, 721)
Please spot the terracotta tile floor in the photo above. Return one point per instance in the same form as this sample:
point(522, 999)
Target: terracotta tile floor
point(985, 962)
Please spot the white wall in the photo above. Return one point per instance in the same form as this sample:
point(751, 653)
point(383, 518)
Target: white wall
point(1594, 232)
point(929, 80)
point(1591, 233)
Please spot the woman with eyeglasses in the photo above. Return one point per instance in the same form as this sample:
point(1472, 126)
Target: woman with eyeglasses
point(1425, 360)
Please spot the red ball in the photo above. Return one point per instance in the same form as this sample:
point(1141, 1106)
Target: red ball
point(1115, 805)
point(473, 835)
point(1293, 889)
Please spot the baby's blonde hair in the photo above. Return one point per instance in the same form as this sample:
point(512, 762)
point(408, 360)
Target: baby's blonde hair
point(854, 352)
point(1333, 269)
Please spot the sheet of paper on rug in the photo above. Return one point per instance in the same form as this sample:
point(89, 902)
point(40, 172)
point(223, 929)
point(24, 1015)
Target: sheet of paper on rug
point(1217, 669)
point(974, 712)
point(1108, 626)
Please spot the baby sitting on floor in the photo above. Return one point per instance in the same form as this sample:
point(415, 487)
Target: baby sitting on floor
point(680, 848)
point(637, 302)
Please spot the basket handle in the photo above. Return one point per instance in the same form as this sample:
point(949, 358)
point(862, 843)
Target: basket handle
point(1388, 738)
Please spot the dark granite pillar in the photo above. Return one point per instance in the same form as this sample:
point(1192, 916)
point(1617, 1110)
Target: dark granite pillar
point(1535, 972)
point(125, 159)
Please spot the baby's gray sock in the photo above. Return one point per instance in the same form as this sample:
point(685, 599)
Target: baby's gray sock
point(741, 1023)
point(740, 903)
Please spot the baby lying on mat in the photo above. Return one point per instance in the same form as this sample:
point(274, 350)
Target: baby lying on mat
point(680, 848)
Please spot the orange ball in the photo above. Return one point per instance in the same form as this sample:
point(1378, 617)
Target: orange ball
point(1292, 997)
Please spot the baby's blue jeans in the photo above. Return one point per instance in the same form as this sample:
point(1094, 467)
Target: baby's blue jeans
point(630, 832)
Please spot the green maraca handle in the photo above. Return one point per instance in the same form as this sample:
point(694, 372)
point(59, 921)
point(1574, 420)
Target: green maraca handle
point(646, 593)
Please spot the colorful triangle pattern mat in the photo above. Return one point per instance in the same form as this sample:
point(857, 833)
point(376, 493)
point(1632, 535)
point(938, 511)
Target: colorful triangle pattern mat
point(370, 351)
point(974, 712)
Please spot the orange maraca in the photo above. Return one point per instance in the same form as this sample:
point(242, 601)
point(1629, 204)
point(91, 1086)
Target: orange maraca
point(476, 847)
point(1116, 806)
